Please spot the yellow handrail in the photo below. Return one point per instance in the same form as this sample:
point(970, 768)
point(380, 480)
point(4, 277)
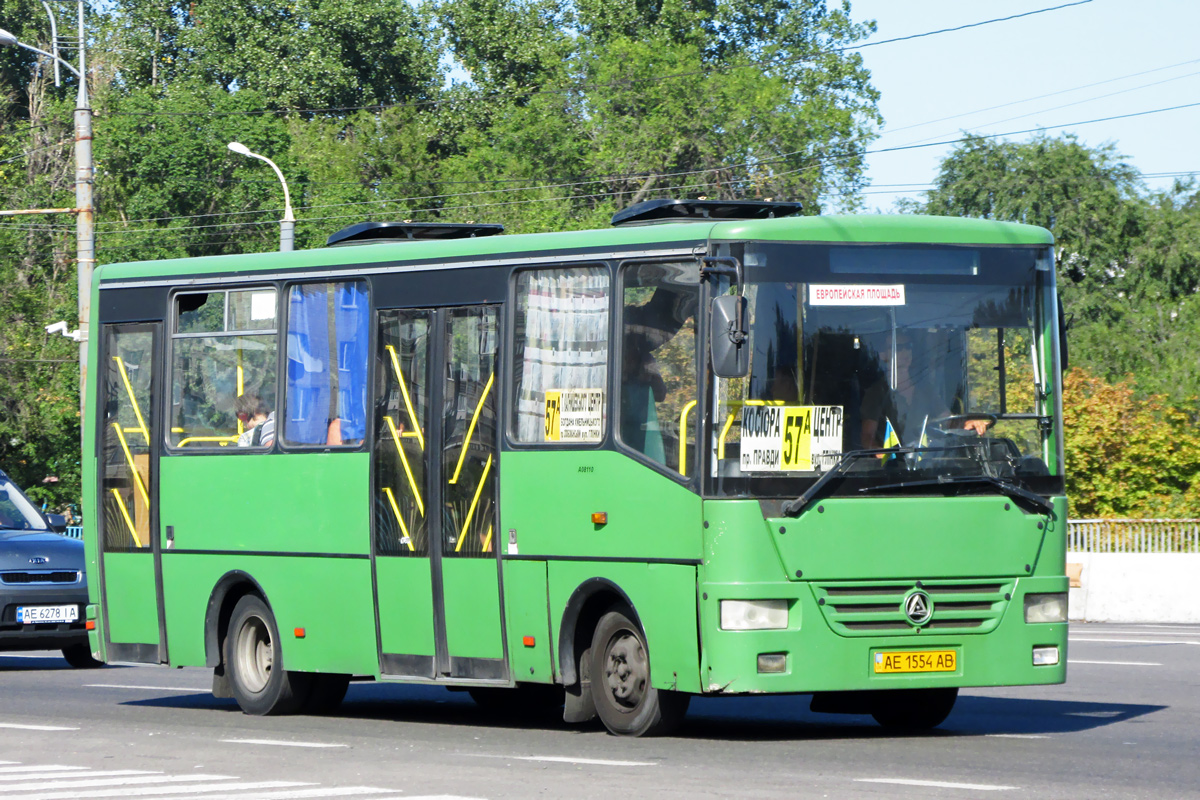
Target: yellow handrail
point(412, 414)
point(132, 398)
point(683, 415)
point(462, 535)
point(487, 543)
point(734, 405)
point(224, 440)
point(396, 510)
point(471, 429)
point(412, 482)
point(128, 519)
point(137, 477)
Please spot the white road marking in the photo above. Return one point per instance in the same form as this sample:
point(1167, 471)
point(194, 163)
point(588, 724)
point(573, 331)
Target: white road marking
point(55, 767)
point(280, 743)
point(181, 791)
point(150, 688)
point(1117, 663)
point(443, 797)
point(49, 773)
point(976, 787)
point(26, 655)
point(15, 726)
point(300, 794)
point(1016, 736)
point(599, 762)
point(1131, 641)
point(85, 781)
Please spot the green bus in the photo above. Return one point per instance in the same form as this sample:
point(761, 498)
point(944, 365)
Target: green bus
point(716, 449)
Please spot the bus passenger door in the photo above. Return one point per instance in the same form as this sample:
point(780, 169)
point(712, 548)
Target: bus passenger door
point(435, 479)
point(130, 550)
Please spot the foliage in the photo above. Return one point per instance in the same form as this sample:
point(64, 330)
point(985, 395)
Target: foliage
point(1128, 457)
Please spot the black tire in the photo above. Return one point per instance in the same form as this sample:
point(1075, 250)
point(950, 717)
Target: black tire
point(79, 656)
point(326, 693)
point(525, 701)
point(625, 701)
point(913, 709)
point(253, 661)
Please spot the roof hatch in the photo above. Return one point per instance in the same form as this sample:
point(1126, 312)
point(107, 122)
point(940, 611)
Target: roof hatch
point(652, 211)
point(376, 232)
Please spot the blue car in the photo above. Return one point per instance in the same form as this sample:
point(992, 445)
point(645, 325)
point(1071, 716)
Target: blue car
point(43, 584)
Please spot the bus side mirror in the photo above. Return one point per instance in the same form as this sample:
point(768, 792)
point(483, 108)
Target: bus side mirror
point(727, 337)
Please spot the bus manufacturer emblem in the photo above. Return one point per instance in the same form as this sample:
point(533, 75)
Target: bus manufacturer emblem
point(918, 608)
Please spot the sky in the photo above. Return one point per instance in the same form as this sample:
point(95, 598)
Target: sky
point(1064, 66)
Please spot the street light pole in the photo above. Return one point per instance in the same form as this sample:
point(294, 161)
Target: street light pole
point(287, 225)
point(85, 231)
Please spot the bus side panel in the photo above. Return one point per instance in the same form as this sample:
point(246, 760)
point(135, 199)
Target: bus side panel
point(405, 605)
point(527, 614)
point(311, 509)
point(472, 608)
point(332, 641)
point(549, 496)
point(664, 599)
point(132, 614)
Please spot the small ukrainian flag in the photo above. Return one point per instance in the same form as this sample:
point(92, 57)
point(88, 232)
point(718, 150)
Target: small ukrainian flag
point(890, 439)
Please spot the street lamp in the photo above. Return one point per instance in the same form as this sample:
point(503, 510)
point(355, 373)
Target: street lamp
point(85, 230)
point(287, 225)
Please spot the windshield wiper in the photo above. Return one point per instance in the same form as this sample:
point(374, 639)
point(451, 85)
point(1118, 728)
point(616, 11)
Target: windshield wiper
point(1006, 488)
point(794, 507)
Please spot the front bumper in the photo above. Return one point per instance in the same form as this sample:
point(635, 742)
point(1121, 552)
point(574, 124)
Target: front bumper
point(46, 636)
point(820, 659)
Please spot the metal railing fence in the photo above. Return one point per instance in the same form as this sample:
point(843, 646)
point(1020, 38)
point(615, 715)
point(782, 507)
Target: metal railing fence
point(1133, 535)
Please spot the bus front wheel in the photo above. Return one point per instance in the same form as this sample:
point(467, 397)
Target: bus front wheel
point(620, 671)
point(913, 709)
point(254, 662)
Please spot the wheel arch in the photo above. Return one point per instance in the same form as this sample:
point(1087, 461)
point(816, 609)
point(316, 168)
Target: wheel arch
point(233, 586)
point(584, 608)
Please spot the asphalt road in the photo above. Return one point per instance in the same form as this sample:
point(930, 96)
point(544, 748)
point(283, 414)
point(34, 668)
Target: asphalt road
point(1125, 725)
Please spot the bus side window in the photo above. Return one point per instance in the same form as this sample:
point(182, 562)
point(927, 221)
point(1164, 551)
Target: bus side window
point(223, 364)
point(327, 356)
point(658, 362)
point(561, 354)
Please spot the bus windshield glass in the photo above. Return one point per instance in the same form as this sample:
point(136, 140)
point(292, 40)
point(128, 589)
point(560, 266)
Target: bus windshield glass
point(936, 354)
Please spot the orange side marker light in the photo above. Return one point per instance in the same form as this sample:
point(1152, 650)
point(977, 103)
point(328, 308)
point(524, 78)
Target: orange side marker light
point(527, 641)
point(600, 518)
point(299, 633)
point(90, 625)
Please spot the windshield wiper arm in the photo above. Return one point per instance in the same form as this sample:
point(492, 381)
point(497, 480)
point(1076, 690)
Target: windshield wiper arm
point(1006, 488)
point(794, 507)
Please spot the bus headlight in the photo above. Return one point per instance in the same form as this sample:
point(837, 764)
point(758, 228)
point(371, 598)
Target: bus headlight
point(753, 615)
point(1046, 607)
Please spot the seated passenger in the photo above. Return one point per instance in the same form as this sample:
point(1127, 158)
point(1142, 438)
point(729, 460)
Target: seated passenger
point(257, 419)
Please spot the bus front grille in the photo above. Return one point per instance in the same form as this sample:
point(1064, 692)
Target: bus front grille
point(863, 609)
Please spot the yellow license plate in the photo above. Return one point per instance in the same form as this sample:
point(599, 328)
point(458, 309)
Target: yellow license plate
point(893, 661)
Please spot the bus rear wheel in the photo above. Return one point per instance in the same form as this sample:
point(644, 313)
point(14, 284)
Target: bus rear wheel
point(254, 662)
point(625, 701)
point(913, 709)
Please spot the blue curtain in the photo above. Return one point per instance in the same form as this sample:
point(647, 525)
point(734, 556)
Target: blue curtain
point(350, 322)
point(308, 366)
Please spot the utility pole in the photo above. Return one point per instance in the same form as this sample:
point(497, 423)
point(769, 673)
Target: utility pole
point(85, 228)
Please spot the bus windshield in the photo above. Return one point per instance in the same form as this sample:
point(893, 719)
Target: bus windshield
point(935, 353)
